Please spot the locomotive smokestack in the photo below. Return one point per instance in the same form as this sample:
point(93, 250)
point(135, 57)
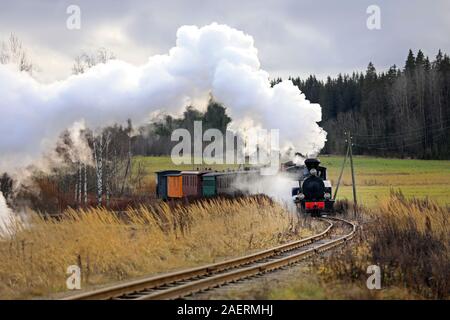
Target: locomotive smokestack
point(312, 163)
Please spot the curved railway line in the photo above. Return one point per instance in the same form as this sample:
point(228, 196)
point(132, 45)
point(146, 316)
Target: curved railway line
point(186, 282)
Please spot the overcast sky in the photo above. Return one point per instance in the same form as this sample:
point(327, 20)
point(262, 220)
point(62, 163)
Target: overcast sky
point(293, 37)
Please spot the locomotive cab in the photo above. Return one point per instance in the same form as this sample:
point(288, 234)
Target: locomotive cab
point(313, 195)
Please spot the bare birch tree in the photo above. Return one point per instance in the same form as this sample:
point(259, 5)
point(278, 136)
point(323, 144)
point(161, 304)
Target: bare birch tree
point(85, 60)
point(98, 160)
point(101, 146)
point(85, 186)
point(13, 52)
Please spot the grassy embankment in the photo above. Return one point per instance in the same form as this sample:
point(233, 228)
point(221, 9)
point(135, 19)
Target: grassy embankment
point(108, 248)
point(374, 177)
point(408, 239)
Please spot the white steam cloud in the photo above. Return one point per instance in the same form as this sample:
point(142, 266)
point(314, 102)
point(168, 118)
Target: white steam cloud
point(278, 187)
point(6, 216)
point(213, 59)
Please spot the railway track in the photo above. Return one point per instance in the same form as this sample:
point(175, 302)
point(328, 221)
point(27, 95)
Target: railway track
point(183, 283)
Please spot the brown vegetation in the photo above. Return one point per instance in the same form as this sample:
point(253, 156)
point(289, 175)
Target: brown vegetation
point(409, 240)
point(145, 240)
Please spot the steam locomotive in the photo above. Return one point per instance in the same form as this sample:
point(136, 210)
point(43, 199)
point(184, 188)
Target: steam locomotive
point(313, 195)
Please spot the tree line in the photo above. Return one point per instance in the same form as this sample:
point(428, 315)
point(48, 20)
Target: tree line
point(402, 112)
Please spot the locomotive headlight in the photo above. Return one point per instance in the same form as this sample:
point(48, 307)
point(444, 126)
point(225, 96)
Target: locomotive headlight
point(327, 195)
point(301, 196)
point(313, 172)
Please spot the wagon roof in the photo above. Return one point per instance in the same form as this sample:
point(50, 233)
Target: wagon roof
point(168, 171)
point(212, 174)
point(173, 175)
point(194, 172)
point(239, 171)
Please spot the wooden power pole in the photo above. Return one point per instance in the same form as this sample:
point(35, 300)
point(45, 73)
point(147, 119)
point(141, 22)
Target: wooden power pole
point(342, 171)
point(355, 203)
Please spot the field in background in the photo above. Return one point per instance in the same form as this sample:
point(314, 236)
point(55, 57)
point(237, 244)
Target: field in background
point(153, 164)
point(374, 176)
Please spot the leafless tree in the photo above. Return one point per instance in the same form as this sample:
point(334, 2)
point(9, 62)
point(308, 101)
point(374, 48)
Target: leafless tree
point(13, 52)
point(85, 60)
point(138, 176)
point(101, 145)
point(85, 185)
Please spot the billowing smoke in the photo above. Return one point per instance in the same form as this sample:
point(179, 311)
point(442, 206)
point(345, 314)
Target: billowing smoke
point(278, 187)
point(5, 216)
point(214, 59)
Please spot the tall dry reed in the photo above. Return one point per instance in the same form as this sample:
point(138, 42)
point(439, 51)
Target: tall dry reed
point(109, 246)
point(409, 239)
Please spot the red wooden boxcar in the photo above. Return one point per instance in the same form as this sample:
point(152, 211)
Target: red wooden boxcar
point(192, 183)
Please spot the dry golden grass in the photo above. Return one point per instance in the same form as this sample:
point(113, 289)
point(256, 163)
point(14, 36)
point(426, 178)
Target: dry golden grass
point(409, 239)
point(425, 216)
point(144, 241)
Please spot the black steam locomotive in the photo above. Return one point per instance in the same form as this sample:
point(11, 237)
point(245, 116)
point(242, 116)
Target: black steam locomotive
point(313, 195)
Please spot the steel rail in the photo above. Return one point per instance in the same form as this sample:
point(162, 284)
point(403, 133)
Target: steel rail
point(182, 283)
point(224, 278)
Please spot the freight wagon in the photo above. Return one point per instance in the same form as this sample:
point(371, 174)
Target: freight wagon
point(181, 184)
point(161, 184)
point(209, 184)
point(175, 185)
point(192, 183)
point(196, 184)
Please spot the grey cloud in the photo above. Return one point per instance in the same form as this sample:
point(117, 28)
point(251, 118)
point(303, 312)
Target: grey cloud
point(293, 37)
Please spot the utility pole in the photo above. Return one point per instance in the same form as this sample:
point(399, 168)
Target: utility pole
point(349, 141)
point(342, 171)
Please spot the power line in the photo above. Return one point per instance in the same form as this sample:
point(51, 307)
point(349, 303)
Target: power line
point(393, 148)
point(419, 136)
point(415, 131)
point(404, 134)
point(403, 139)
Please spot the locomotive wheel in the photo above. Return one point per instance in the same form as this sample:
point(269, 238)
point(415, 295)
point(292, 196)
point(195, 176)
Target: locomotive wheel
point(315, 213)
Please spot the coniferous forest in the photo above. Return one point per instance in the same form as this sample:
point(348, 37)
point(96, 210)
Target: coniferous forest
point(401, 112)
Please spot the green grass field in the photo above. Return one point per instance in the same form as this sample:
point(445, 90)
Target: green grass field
point(374, 176)
point(153, 164)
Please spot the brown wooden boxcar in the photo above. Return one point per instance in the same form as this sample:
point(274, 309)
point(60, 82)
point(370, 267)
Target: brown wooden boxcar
point(192, 183)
